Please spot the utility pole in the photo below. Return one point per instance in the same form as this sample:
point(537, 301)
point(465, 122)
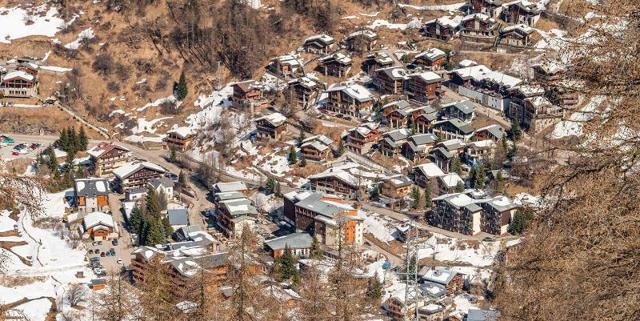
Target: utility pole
point(412, 294)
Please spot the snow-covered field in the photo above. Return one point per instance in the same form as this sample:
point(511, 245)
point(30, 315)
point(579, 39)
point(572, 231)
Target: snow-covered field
point(16, 23)
point(54, 261)
point(573, 126)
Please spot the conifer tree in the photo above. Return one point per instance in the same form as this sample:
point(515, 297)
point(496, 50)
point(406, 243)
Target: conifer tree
point(287, 265)
point(427, 197)
point(135, 219)
point(63, 141)
point(83, 140)
point(415, 195)
point(293, 157)
point(301, 138)
point(152, 204)
point(182, 90)
point(456, 166)
point(374, 288)
point(316, 251)
point(460, 187)
point(52, 160)
point(172, 155)
point(303, 161)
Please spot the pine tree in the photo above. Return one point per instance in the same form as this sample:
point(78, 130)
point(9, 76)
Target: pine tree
point(374, 288)
point(63, 141)
point(427, 197)
point(72, 141)
point(499, 181)
point(480, 177)
point(52, 160)
point(293, 157)
point(316, 251)
point(287, 265)
point(152, 203)
point(135, 219)
point(172, 155)
point(460, 187)
point(182, 180)
point(415, 195)
point(155, 234)
point(456, 166)
point(182, 90)
point(83, 140)
point(515, 131)
point(301, 138)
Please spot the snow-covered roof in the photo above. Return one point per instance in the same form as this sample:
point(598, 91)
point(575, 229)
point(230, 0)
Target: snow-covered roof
point(322, 37)
point(275, 119)
point(183, 132)
point(438, 275)
point(230, 187)
point(467, 63)
point(429, 170)
point(300, 240)
point(482, 72)
point(91, 187)
point(339, 57)
point(289, 60)
point(355, 91)
point(478, 15)
point(451, 180)
point(432, 54)
point(428, 76)
point(125, 170)
point(18, 74)
point(447, 21)
point(519, 27)
point(102, 148)
point(98, 218)
point(341, 175)
point(366, 33)
point(482, 144)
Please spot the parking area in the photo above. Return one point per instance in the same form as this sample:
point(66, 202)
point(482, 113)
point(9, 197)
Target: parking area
point(12, 149)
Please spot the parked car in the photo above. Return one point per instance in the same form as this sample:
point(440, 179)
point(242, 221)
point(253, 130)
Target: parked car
point(119, 261)
point(35, 146)
point(114, 242)
point(102, 254)
point(15, 153)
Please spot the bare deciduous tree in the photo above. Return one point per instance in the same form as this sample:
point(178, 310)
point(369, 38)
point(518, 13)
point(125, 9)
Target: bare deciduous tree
point(579, 259)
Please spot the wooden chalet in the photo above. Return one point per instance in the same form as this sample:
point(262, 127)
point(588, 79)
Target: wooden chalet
point(462, 110)
point(390, 80)
point(336, 182)
point(18, 84)
point(519, 36)
point(98, 226)
point(362, 138)
point(423, 86)
point(181, 268)
point(319, 44)
point(136, 175)
point(350, 99)
point(426, 175)
point(491, 8)
point(479, 27)
point(271, 126)
point(286, 66)
point(179, 138)
point(317, 148)
point(443, 28)
point(375, 61)
point(105, 157)
point(494, 132)
point(247, 94)
point(417, 147)
point(361, 41)
point(91, 195)
point(452, 129)
point(521, 12)
point(395, 189)
point(432, 59)
point(391, 142)
point(423, 122)
point(303, 91)
point(335, 65)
